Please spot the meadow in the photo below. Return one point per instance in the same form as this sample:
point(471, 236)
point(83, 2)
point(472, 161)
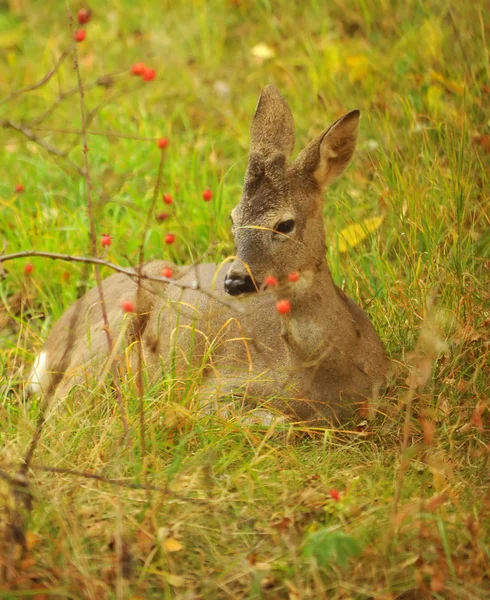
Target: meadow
point(396, 505)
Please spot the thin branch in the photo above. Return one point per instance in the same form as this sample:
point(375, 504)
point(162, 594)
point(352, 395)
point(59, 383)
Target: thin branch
point(115, 482)
point(100, 81)
point(40, 142)
point(40, 83)
point(130, 272)
point(139, 324)
point(93, 237)
point(108, 134)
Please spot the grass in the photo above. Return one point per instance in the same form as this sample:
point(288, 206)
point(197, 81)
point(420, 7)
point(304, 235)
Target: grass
point(241, 509)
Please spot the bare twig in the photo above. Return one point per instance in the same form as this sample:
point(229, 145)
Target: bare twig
point(107, 134)
point(40, 142)
point(114, 482)
point(139, 324)
point(130, 272)
point(93, 237)
point(40, 83)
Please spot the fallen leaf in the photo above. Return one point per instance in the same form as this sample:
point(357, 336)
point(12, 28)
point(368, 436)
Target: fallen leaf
point(353, 235)
point(175, 580)
point(172, 545)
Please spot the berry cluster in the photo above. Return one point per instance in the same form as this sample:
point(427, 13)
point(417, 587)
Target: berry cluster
point(141, 70)
point(83, 17)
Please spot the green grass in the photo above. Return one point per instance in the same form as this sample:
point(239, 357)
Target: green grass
point(241, 504)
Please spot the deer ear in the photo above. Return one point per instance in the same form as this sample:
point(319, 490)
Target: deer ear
point(272, 128)
point(328, 155)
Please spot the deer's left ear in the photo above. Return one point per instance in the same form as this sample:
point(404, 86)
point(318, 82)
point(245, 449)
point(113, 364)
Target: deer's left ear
point(328, 155)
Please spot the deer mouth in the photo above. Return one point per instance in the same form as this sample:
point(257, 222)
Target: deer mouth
point(238, 286)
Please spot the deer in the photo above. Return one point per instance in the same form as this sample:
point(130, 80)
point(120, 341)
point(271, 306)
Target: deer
point(315, 364)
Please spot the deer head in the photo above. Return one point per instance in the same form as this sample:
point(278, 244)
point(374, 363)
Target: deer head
point(278, 225)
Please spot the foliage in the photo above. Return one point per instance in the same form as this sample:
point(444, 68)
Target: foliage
point(221, 508)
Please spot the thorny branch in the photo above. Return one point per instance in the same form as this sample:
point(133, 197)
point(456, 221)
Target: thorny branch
point(15, 481)
point(130, 272)
point(93, 237)
point(34, 138)
point(40, 83)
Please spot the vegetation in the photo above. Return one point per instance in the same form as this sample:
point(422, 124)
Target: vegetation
point(395, 506)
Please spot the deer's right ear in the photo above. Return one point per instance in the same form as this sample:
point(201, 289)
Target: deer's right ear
point(272, 128)
point(328, 155)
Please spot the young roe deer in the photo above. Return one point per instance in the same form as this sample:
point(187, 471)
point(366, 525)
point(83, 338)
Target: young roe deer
point(316, 364)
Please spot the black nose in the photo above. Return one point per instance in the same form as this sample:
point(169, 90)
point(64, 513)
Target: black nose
point(239, 285)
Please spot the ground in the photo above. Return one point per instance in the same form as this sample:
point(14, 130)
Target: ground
point(391, 507)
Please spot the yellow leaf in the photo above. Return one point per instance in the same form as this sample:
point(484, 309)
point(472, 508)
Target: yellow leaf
point(263, 51)
point(172, 545)
point(353, 235)
point(453, 86)
point(435, 99)
point(175, 580)
point(358, 67)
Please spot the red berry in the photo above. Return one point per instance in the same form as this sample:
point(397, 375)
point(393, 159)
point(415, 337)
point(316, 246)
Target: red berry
point(293, 277)
point(84, 15)
point(19, 188)
point(79, 35)
point(163, 216)
point(28, 269)
point(138, 68)
point(283, 307)
point(167, 272)
point(163, 143)
point(127, 306)
point(207, 195)
point(106, 240)
point(148, 74)
point(270, 281)
point(169, 238)
point(167, 198)
point(66, 276)
point(334, 494)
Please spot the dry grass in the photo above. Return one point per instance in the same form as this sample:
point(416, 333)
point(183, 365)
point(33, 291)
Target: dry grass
point(217, 508)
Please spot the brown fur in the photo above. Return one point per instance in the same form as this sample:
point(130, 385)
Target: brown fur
point(317, 363)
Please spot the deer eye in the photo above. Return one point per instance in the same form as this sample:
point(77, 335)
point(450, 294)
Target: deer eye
point(285, 226)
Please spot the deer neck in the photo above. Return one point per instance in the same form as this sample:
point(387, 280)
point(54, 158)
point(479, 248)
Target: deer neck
point(319, 316)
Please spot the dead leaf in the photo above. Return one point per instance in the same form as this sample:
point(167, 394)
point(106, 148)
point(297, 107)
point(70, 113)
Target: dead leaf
point(172, 545)
point(429, 429)
point(353, 235)
point(175, 580)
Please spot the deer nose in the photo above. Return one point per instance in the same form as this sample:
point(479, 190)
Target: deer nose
point(239, 284)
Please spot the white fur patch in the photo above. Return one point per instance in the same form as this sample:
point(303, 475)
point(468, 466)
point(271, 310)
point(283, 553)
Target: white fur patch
point(39, 378)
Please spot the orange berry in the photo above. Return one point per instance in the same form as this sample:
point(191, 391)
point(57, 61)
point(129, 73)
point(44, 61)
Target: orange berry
point(79, 35)
point(28, 268)
point(138, 68)
point(163, 143)
point(106, 240)
point(283, 307)
point(148, 74)
point(167, 272)
point(207, 195)
point(270, 281)
point(169, 238)
point(84, 15)
point(167, 198)
point(19, 188)
point(127, 306)
point(293, 277)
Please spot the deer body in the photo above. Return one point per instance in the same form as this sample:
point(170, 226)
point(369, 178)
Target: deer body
point(316, 363)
